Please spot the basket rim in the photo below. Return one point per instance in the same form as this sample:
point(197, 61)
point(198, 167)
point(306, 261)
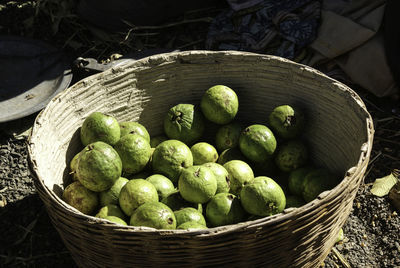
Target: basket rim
point(349, 175)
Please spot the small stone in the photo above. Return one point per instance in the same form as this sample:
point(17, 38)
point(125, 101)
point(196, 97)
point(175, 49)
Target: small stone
point(3, 202)
point(397, 245)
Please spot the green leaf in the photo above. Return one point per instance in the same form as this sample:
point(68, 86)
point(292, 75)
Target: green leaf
point(382, 186)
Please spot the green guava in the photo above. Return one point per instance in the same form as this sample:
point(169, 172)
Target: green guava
point(135, 193)
point(291, 155)
point(316, 182)
point(175, 201)
point(294, 201)
point(203, 152)
point(156, 140)
point(221, 175)
point(263, 197)
point(111, 196)
point(227, 136)
point(164, 186)
point(240, 173)
point(296, 180)
point(286, 121)
point(135, 153)
point(110, 210)
point(189, 214)
point(170, 157)
point(219, 104)
point(155, 215)
point(81, 198)
point(115, 219)
point(231, 154)
point(72, 166)
point(149, 165)
point(99, 166)
point(197, 184)
point(141, 175)
point(130, 127)
point(191, 225)
point(257, 143)
point(100, 127)
point(184, 122)
point(224, 209)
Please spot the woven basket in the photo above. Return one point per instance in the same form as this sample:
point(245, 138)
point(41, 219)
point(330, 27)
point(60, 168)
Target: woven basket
point(339, 126)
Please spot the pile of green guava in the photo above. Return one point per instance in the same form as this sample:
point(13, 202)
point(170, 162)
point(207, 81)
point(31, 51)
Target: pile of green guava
point(189, 177)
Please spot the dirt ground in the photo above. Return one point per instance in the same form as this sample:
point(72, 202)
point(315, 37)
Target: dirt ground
point(27, 237)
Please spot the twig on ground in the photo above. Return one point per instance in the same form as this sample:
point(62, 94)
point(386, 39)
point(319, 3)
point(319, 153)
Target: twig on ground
point(387, 140)
point(375, 157)
point(191, 43)
point(28, 229)
point(341, 258)
point(391, 157)
point(168, 25)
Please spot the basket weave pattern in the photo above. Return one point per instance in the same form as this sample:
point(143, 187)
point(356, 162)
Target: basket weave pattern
point(339, 131)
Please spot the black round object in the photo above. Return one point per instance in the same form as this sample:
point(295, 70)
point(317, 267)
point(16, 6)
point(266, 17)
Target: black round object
point(31, 73)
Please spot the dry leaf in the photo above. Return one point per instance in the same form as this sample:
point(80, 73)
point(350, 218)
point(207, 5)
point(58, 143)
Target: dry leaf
point(382, 186)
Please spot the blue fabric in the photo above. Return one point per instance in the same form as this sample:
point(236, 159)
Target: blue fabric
point(281, 28)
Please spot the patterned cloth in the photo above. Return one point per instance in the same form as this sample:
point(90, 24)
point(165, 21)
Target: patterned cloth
point(241, 4)
point(282, 28)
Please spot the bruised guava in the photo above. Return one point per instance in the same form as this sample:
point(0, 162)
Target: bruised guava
point(111, 195)
point(99, 166)
point(184, 122)
point(197, 184)
point(286, 121)
point(240, 173)
point(203, 152)
point(219, 104)
point(221, 175)
point(135, 193)
point(155, 215)
point(227, 136)
point(257, 143)
point(263, 197)
point(81, 198)
point(291, 155)
point(135, 152)
point(170, 157)
point(163, 185)
point(100, 127)
point(224, 209)
point(131, 127)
